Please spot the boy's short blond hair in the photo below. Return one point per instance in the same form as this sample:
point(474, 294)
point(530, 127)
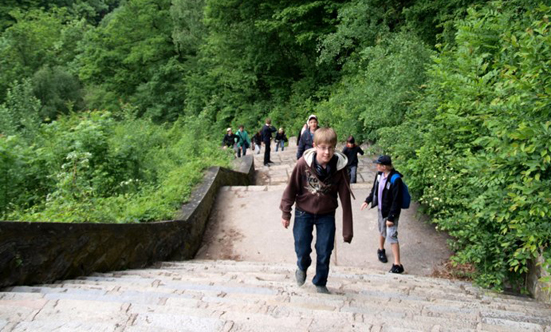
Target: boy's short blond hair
point(325, 136)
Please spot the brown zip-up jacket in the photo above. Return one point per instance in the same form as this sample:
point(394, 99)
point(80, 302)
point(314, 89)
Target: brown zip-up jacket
point(314, 196)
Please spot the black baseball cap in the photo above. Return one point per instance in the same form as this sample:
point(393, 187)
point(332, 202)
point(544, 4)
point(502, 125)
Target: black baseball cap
point(383, 160)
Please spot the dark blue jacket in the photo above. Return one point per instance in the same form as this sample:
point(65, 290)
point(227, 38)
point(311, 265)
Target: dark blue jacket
point(392, 196)
point(352, 154)
point(266, 133)
point(306, 142)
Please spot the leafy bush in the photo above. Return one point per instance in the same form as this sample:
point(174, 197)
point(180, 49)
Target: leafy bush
point(476, 143)
point(91, 167)
point(378, 95)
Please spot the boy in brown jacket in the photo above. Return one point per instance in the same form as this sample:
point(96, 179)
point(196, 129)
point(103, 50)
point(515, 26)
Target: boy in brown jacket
point(318, 178)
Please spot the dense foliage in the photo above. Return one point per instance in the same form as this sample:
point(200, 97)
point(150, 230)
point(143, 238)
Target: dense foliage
point(93, 167)
point(456, 90)
point(377, 94)
point(476, 142)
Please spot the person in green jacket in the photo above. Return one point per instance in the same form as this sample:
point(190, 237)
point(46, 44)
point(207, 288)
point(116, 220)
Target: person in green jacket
point(243, 141)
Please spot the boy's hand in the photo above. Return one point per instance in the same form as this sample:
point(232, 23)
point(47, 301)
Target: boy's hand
point(285, 223)
point(364, 205)
point(389, 223)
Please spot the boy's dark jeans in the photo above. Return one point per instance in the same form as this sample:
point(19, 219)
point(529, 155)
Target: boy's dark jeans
point(353, 171)
point(325, 240)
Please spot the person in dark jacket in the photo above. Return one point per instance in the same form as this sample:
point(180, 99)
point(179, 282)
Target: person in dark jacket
point(387, 196)
point(280, 139)
point(266, 132)
point(301, 131)
point(230, 140)
point(307, 138)
point(257, 142)
point(351, 151)
point(319, 177)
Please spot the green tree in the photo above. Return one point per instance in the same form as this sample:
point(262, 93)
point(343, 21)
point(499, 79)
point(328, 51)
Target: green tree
point(36, 40)
point(92, 10)
point(6, 17)
point(58, 91)
point(20, 113)
point(257, 56)
point(131, 57)
point(90, 167)
point(434, 19)
point(189, 31)
point(360, 25)
point(380, 93)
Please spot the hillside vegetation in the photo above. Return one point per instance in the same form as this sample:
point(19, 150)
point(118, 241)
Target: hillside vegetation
point(110, 110)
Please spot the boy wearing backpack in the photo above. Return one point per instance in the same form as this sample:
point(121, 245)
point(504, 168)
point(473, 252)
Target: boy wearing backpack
point(387, 195)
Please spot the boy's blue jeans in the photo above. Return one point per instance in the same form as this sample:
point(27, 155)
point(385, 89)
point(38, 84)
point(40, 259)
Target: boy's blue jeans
point(280, 144)
point(353, 171)
point(325, 240)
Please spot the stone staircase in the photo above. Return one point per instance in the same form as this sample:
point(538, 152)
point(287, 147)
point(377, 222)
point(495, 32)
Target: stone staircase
point(243, 280)
point(246, 296)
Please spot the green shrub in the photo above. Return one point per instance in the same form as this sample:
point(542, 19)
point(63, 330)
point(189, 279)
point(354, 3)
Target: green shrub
point(475, 145)
point(380, 92)
point(93, 168)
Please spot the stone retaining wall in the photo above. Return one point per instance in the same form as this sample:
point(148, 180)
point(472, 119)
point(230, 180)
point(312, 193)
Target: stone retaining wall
point(42, 252)
point(540, 290)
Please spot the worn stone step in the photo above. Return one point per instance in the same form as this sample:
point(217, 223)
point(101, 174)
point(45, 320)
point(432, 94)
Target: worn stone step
point(346, 273)
point(263, 317)
point(155, 316)
point(363, 308)
point(61, 326)
point(372, 289)
point(251, 283)
point(244, 296)
point(20, 310)
point(297, 305)
point(345, 277)
point(104, 291)
point(353, 278)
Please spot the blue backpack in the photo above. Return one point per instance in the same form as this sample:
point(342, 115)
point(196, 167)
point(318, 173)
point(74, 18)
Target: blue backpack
point(406, 197)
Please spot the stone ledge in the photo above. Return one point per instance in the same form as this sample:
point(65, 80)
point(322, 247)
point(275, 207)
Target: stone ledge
point(42, 252)
point(536, 271)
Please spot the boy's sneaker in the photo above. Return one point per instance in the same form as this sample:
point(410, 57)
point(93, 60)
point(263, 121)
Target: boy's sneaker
point(382, 255)
point(322, 290)
point(301, 277)
point(397, 268)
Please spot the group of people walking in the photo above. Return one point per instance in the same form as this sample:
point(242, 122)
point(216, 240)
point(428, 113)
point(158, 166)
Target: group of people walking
point(320, 176)
point(240, 141)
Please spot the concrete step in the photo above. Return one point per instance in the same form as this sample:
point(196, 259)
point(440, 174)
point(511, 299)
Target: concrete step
point(251, 296)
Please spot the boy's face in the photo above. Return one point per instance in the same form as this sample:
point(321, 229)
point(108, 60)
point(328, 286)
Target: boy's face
point(324, 153)
point(313, 124)
point(381, 167)
point(349, 144)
